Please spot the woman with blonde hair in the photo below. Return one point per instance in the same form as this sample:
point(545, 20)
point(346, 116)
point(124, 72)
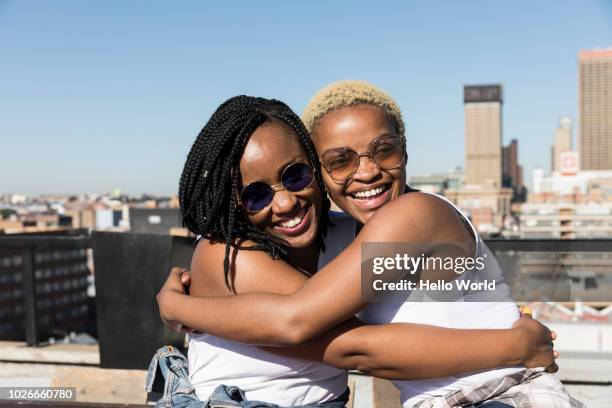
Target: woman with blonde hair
point(358, 133)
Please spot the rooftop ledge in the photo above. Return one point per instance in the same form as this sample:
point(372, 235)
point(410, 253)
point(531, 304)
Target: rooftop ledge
point(588, 376)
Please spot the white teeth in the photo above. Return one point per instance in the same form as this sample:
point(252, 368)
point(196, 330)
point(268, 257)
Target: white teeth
point(369, 193)
point(292, 222)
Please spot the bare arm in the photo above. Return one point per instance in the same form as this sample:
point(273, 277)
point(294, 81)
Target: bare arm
point(406, 351)
point(328, 298)
point(393, 351)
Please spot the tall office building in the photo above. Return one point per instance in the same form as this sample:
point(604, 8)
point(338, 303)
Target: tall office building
point(595, 109)
point(512, 171)
point(483, 196)
point(510, 166)
point(563, 143)
point(483, 134)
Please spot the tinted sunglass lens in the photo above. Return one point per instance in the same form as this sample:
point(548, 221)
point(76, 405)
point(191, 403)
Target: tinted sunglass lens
point(297, 177)
point(256, 196)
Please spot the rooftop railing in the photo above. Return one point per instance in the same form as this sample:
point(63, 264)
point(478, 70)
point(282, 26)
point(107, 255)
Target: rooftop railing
point(51, 270)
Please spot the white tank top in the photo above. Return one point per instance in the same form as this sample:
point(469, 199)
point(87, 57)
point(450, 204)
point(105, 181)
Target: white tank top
point(488, 310)
point(286, 381)
point(265, 376)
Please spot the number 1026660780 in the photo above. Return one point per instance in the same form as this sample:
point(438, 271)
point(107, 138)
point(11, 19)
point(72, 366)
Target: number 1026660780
point(38, 393)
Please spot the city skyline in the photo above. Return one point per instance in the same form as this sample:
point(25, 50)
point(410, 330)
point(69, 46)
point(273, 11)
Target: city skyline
point(104, 96)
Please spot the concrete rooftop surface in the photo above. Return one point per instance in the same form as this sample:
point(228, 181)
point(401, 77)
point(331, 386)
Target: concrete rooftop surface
point(587, 375)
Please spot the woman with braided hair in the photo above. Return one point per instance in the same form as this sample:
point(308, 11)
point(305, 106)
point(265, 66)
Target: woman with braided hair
point(253, 190)
point(211, 168)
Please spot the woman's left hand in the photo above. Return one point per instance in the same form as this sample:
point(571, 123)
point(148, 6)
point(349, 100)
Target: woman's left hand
point(177, 283)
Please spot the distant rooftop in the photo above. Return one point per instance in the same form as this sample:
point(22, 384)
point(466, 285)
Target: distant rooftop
point(482, 93)
point(596, 53)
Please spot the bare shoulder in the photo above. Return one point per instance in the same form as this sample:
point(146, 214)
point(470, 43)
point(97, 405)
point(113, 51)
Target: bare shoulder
point(207, 277)
point(250, 270)
point(413, 216)
point(207, 252)
point(424, 203)
point(416, 207)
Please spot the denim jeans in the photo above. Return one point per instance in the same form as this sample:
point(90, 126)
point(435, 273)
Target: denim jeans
point(178, 391)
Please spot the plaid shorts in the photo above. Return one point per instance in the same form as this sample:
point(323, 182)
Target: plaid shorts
point(525, 389)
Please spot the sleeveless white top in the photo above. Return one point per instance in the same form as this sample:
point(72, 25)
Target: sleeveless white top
point(287, 381)
point(265, 376)
point(484, 310)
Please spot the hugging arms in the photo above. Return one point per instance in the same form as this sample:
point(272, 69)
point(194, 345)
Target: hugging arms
point(281, 306)
point(253, 189)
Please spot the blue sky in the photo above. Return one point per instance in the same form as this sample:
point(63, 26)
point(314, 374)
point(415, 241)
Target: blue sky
point(103, 95)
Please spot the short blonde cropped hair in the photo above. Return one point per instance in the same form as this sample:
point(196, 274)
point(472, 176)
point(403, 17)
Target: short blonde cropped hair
point(350, 93)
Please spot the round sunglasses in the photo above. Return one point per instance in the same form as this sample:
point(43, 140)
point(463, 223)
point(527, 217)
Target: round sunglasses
point(388, 152)
point(258, 195)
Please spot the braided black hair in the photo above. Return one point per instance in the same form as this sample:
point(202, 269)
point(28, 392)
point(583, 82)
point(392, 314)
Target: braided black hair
point(211, 180)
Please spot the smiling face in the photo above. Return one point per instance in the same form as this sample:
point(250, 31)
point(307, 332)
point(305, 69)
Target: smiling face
point(370, 187)
point(291, 216)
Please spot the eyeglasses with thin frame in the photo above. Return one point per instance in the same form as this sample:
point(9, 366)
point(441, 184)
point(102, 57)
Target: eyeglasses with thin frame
point(387, 152)
point(296, 177)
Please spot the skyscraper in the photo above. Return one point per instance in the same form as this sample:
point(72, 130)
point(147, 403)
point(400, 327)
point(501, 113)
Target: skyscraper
point(510, 166)
point(595, 109)
point(512, 171)
point(483, 134)
point(483, 197)
point(563, 143)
